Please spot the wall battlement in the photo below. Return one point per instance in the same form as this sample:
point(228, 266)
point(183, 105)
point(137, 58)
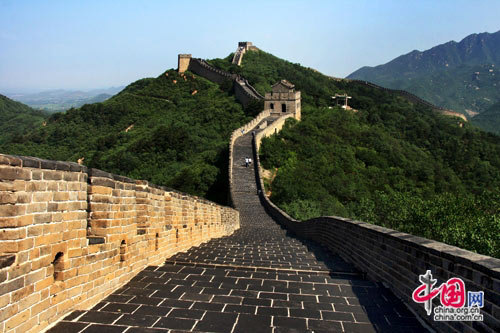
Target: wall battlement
point(69, 236)
point(243, 91)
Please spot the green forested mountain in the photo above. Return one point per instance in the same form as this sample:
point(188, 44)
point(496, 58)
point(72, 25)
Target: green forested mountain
point(462, 76)
point(172, 130)
point(389, 161)
point(392, 162)
point(17, 118)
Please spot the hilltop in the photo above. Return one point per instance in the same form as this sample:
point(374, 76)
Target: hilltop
point(16, 119)
point(461, 76)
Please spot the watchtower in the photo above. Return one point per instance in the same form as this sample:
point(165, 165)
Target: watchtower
point(283, 99)
point(183, 62)
point(245, 45)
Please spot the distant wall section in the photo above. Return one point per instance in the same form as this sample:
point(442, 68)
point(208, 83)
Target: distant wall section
point(243, 91)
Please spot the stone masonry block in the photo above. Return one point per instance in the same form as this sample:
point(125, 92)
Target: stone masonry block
point(6, 186)
point(37, 175)
point(19, 185)
point(12, 210)
point(96, 189)
point(13, 173)
point(42, 196)
point(11, 286)
point(10, 160)
point(61, 196)
point(8, 198)
point(17, 319)
point(52, 175)
point(105, 182)
point(12, 234)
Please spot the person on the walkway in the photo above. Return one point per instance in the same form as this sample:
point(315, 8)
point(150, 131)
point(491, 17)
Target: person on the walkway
point(246, 162)
point(249, 161)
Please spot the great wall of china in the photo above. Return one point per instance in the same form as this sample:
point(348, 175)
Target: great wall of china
point(71, 236)
point(245, 93)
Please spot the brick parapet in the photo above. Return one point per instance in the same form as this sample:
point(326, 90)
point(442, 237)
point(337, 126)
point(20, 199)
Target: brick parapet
point(70, 235)
point(397, 259)
point(243, 91)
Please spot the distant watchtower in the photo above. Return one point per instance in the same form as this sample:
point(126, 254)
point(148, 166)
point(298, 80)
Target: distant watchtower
point(183, 62)
point(283, 99)
point(246, 45)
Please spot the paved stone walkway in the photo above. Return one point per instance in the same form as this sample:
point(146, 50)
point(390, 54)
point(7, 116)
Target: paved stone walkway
point(260, 279)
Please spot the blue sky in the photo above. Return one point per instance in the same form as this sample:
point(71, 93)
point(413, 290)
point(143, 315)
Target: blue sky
point(96, 44)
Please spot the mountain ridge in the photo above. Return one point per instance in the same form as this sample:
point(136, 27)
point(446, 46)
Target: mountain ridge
point(463, 76)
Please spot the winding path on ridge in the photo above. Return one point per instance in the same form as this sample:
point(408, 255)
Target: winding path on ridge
point(260, 279)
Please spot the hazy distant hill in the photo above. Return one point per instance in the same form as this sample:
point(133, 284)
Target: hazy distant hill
point(460, 76)
point(17, 118)
point(61, 100)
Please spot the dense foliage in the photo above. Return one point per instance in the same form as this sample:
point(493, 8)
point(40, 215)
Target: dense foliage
point(177, 134)
point(391, 162)
point(16, 119)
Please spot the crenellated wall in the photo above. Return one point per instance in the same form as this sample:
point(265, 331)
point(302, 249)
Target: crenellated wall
point(273, 128)
point(69, 235)
point(202, 68)
point(396, 258)
point(243, 91)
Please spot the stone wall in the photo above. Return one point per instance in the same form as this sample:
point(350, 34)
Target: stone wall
point(412, 98)
point(69, 236)
point(243, 91)
point(202, 68)
point(273, 128)
point(397, 259)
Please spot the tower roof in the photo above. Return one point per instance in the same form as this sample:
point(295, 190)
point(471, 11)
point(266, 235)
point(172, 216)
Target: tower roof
point(282, 86)
point(285, 83)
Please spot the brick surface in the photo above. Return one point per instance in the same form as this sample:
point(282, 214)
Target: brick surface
point(259, 279)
